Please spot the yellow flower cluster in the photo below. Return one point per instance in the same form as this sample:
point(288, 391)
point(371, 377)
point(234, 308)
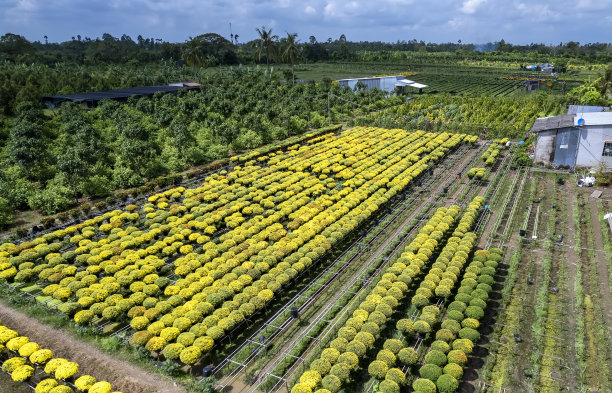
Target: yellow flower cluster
point(32, 356)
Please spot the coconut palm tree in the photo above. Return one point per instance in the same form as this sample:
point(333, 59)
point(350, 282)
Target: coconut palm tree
point(291, 52)
point(193, 54)
point(604, 83)
point(265, 44)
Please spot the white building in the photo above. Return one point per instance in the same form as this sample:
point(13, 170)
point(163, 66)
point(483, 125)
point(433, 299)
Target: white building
point(574, 140)
point(385, 83)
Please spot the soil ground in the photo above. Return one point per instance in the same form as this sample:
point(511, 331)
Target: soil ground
point(123, 376)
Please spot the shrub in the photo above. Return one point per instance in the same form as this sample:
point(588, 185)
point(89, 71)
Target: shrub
point(348, 333)
point(396, 375)
point(451, 325)
point(408, 356)
point(393, 345)
point(444, 335)
point(480, 294)
point(301, 388)
point(141, 337)
point(386, 356)
point(430, 371)
point(423, 385)
point(321, 366)
point(470, 322)
point(447, 384)
point(350, 359)
point(464, 345)
point(405, 326)
point(470, 334)
point(455, 315)
point(454, 370)
point(330, 354)
point(371, 327)
point(478, 303)
point(341, 343)
point(173, 351)
point(310, 378)
point(422, 327)
point(331, 383)
point(340, 370)
point(378, 369)
point(474, 312)
point(366, 338)
point(440, 345)
point(436, 357)
point(456, 356)
point(190, 354)
point(357, 347)
point(389, 386)
point(457, 305)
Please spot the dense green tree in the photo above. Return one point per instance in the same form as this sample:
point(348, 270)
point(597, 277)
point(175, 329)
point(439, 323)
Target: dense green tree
point(6, 213)
point(56, 196)
point(15, 187)
point(26, 144)
point(80, 143)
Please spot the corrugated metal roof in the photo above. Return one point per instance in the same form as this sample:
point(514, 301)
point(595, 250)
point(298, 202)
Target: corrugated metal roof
point(552, 123)
point(118, 94)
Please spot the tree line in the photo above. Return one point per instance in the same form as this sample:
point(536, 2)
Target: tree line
point(49, 159)
point(218, 50)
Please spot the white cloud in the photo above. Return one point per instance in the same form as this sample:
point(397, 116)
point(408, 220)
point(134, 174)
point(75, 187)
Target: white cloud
point(517, 21)
point(471, 6)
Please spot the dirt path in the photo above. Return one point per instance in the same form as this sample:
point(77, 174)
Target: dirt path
point(123, 376)
point(572, 262)
point(602, 263)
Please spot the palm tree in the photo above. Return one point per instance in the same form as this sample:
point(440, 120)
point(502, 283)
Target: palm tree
point(265, 44)
point(291, 52)
point(193, 54)
point(604, 83)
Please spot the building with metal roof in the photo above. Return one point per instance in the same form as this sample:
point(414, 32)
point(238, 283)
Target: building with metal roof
point(385, 83)
point(92, 99)
point(574, 140)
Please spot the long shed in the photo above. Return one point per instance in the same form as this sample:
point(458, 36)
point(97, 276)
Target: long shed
point(92, 99)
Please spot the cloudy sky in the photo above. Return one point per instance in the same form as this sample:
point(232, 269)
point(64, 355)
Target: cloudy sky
point(476, 21)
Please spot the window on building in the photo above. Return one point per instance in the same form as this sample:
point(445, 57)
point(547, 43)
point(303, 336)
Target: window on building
point(607, 150)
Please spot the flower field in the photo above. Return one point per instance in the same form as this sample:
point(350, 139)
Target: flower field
point(187, 267)
point(185, 275)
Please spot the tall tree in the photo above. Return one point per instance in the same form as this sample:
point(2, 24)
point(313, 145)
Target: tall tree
point(604, 84)
point(193, 54)
point(291, 52)
point(82, 145)
point(26, 143)
point(265, 44)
